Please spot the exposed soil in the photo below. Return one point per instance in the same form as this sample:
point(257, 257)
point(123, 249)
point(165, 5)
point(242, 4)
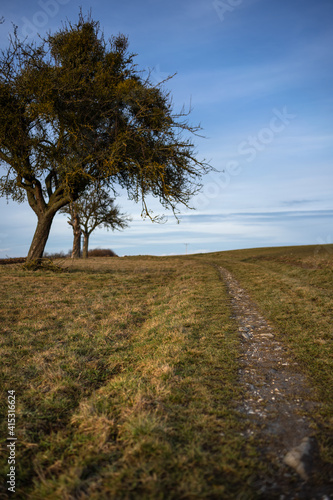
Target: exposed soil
point(278, 402)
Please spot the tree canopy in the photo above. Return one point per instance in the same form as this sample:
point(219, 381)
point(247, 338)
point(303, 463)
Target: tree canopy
point(75, 110)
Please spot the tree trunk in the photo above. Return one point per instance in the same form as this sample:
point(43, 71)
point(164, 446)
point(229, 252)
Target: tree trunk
point(85, 245)
point(76, 253)
point(40, 237)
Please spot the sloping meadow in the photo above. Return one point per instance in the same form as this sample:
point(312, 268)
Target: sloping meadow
point(124, 372)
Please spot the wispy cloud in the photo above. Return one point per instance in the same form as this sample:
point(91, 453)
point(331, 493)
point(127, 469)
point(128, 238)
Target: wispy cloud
point(291, 203)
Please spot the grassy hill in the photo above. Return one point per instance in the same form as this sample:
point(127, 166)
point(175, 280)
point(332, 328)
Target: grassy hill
point(125, 371)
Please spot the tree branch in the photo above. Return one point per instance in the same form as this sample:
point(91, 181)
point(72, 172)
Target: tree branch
point(5, 158)
point(48, 184)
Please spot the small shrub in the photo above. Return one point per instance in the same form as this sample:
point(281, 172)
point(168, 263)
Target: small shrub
point(41, 264)
point(101, 252)
point(57, 255)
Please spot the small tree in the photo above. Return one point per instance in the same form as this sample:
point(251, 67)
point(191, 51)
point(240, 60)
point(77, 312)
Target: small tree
point(75, 110)
point(75, 222)
point(93, 209)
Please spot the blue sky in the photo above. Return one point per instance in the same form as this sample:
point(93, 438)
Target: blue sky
point(259, 77)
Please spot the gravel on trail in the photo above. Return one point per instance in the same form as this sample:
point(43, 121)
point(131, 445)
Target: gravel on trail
point(277, 402)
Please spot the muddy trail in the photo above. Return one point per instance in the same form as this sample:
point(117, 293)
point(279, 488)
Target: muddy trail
point(277, 403)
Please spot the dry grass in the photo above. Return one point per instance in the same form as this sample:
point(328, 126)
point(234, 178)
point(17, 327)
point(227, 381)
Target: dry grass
point(125, 375)
point(125, 371)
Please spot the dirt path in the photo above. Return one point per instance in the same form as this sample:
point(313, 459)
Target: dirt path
point(277, 401)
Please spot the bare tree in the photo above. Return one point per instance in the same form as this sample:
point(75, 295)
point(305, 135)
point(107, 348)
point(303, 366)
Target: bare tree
point(74, 221)
point(93, 209)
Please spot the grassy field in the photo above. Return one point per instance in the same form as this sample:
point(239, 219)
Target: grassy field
point(293, 288)
point(125, 371)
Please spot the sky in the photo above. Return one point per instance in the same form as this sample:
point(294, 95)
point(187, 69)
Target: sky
point(258, 77)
